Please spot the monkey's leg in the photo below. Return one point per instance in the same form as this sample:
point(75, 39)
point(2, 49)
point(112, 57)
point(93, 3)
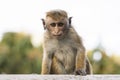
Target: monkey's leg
point(88, 67)
point(57, 67)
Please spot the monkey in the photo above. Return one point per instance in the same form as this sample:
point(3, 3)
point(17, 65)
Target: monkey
point(63, 50)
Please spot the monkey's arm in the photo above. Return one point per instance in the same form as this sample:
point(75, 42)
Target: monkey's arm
point(80, 62)
point(46, 63)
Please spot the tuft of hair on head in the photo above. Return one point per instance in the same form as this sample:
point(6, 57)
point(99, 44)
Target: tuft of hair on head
point(57, 14)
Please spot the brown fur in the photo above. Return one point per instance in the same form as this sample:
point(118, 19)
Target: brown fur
point(66, 54)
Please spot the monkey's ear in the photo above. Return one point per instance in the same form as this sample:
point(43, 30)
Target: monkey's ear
point(70, 20)
point(43, 21)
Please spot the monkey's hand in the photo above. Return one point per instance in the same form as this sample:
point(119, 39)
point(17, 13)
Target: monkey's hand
point(80, 72)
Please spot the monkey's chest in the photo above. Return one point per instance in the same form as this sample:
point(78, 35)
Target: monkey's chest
point(66, 57)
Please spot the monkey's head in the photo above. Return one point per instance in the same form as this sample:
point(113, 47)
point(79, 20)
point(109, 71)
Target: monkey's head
point(57, 23)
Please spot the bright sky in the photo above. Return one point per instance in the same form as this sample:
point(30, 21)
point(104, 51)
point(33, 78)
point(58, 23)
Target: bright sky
point(95, 20)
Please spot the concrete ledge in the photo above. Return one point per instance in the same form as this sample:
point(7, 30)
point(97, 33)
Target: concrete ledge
point(57, 77)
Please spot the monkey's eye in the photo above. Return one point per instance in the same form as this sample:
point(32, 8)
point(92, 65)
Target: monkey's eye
point(60, 24)
point(53, 24)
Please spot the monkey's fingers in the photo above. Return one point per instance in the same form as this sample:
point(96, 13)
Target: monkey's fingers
point(80, 72)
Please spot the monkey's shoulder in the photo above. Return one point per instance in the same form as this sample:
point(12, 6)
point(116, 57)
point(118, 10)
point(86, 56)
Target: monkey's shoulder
point(74, 35)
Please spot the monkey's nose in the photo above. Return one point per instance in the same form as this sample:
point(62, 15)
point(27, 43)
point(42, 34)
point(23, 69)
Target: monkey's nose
point(56, 30)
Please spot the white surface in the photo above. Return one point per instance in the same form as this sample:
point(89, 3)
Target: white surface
point(58, 77)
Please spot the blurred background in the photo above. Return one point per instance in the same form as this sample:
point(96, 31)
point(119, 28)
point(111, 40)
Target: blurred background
point(21, 32)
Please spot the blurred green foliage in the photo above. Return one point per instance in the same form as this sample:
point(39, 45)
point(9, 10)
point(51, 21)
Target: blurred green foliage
point(102, 63)
point(19, 56)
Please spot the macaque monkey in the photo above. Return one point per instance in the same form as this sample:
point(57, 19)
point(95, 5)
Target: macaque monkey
point(64, 52)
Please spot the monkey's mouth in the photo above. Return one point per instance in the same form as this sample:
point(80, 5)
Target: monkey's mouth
point(58, 35)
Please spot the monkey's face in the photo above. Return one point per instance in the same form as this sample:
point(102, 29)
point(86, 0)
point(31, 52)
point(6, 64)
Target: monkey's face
point(56, 28)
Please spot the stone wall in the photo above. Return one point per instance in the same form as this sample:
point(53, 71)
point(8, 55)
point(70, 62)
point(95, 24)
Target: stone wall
point(57, 77)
